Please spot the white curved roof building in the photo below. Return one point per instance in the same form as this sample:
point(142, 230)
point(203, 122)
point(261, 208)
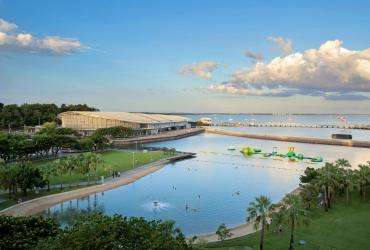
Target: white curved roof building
point(147, 123)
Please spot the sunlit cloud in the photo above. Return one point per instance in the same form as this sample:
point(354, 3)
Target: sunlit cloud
point(6, 26)
point(331, 71)
point(11, 40)
point(201, 69)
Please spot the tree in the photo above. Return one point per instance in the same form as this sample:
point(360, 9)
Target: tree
point(25, 232)
point(14, 116)
point(117, 232)
point(29, 177)
point(343, 163)
point(363, 177)
point(293, 212)
point(48, 170)
point(310, 174)
point(326, 182)
point(61, 170)
point(309, 195)
point(260, 210)
point(100, 141)
point(223, 232)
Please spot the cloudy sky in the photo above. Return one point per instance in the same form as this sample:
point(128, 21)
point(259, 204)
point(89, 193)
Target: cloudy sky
point(188, 56)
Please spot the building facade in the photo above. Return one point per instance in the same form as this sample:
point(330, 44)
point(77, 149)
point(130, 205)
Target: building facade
point(86, 122)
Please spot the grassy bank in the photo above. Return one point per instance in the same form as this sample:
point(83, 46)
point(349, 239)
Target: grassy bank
point(343, 227)
point(119, 161)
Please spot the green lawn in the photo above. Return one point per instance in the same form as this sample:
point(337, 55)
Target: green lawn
point(112, 161)
point(120, 161)
point(343, 227)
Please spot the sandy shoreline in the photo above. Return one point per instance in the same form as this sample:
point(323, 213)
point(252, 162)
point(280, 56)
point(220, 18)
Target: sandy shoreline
point(37, 205)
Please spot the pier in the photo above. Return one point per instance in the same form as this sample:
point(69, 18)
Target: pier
point(347, 143)
point(292, 125)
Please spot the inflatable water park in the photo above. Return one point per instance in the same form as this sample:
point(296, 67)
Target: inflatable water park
point(290, 155)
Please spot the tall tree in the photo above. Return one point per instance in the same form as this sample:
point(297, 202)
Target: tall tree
point(327, 182)
point(363, 177)
point(293, 212)
point(260, 210)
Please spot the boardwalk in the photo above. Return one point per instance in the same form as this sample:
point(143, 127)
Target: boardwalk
point(348, 143)
point(292, 125)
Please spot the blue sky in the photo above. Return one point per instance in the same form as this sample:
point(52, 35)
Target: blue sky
point(187, 56)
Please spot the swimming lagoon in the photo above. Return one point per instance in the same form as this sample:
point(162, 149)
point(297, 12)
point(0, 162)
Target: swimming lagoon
point(213, 188)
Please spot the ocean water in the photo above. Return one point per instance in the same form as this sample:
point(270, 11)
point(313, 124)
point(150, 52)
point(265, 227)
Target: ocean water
point(213, 188)
point(357, 134)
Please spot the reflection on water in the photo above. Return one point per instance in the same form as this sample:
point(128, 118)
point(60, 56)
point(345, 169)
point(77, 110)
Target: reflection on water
point(213, 188)
point(64, 213)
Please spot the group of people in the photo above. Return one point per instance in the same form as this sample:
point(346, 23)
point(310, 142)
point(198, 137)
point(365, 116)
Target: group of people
point(116, 174)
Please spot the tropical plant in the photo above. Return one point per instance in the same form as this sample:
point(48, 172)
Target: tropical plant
point(363, 177)
point(326, 182)
point(260, 210)
point(293, 213)
point(347, 182)
point(116, 232)
point(49, 169)
point(25, 232)
point(223, 232)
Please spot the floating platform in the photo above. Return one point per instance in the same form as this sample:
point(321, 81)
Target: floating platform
point(342, 136)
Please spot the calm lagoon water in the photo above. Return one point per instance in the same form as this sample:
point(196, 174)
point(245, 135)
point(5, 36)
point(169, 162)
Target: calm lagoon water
point(213, 188)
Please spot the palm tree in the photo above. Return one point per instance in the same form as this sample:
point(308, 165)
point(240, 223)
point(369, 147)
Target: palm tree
point(363, 177)
point(326, 182)
point(259, 211)
point(342, 163)
point(293, 213)
point(48, 170)
point(347, 182)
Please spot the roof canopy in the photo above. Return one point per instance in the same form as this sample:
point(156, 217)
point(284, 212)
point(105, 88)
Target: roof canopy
point(129, 117)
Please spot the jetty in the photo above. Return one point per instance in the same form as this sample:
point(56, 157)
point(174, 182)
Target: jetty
point(291, 125)
point(347, 143)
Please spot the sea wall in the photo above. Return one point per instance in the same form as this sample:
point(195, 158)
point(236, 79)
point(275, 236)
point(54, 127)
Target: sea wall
point(347, 143)
point(172, 135)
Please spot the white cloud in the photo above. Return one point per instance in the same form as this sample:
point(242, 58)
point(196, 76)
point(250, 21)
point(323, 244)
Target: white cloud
point(25, 42)
point(328, 69)
point(6, 26)
point(285, 45)
point(60, 45)
point(24, 39)
point(201, 69)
